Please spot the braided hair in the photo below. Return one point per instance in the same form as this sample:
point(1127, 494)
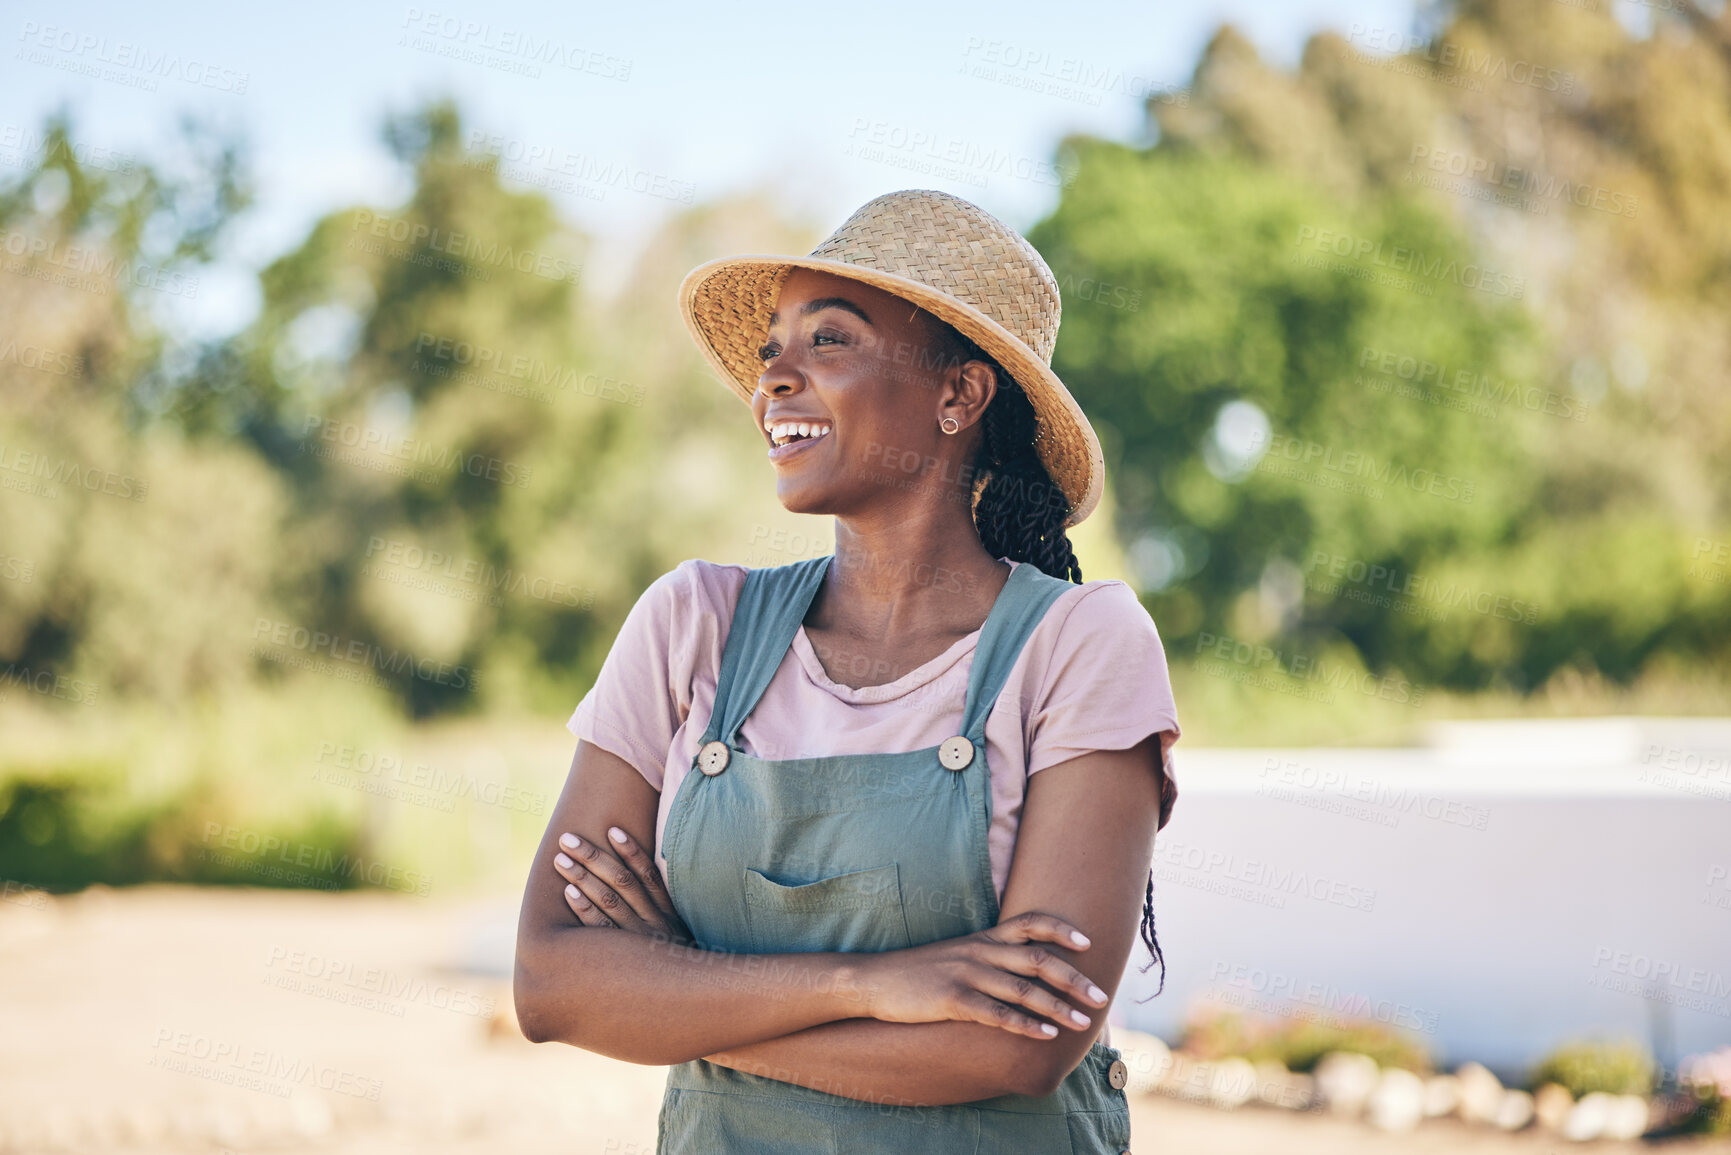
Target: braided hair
point(1020, 512)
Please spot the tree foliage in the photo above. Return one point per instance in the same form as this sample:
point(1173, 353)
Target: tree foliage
point(1488, 256)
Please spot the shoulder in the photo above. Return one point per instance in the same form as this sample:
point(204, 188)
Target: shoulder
point(1104, 607)
point(1098, 677)
point(1092, 634)
point(698, 584)
point(699, 597)
point(683, 604)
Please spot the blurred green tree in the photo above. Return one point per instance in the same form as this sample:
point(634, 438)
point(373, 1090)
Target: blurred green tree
point(423, 378)
point(123, 569)
point(1437, 258)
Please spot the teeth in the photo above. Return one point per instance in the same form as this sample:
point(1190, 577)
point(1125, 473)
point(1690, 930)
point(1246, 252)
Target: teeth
point(782, 432)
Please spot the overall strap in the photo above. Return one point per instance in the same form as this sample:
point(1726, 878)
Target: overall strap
point(1021, 604)
point(772, 604)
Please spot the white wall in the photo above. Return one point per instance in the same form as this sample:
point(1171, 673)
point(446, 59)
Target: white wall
point(1510, 886)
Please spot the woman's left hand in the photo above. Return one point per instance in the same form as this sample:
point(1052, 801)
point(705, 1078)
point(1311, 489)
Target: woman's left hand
point(602, 890)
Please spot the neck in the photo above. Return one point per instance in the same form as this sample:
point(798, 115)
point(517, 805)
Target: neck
point(918, 568)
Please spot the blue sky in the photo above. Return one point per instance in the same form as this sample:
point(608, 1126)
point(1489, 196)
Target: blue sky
point(636, 108)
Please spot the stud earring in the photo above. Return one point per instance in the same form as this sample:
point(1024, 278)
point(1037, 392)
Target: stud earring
point(949, 425)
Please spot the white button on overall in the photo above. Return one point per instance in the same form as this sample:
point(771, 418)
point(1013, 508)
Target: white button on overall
point(712, 759)
point(1118, 1074)
point(956, 753)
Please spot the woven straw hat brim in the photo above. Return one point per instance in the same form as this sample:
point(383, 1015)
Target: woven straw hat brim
point(726, 304)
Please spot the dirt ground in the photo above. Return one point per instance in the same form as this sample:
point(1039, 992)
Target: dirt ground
point(166, 1018)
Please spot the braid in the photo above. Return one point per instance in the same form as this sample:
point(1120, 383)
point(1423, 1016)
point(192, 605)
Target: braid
point(1020, 514)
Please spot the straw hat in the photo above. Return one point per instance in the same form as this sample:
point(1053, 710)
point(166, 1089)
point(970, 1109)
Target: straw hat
point(951, 258)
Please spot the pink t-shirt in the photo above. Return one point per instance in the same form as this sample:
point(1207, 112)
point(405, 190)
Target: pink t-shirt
point(1092, 676)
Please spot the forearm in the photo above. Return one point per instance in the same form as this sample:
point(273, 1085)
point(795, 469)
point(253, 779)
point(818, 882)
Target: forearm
point(647, 1000)
point(906, 1064)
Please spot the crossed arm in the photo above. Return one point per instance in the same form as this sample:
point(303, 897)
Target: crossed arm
point(1083, 851)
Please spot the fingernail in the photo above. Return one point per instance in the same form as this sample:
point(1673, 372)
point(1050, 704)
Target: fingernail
point(616, 834)
point(1048, 1029)
point(570, 890)
point(1079, 1018)
point(569, 841)
point(1078, 938)
point(1097, 994)
point(564, 860)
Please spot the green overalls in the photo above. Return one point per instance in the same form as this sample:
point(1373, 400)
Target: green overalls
point(855, 852)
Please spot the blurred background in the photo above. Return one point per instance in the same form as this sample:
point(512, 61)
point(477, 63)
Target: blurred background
point(345, 411)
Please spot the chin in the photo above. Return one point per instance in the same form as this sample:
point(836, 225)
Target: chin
point(802, 500)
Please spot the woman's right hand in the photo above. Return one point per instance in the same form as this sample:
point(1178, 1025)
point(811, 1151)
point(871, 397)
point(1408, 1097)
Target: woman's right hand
point(984, 977)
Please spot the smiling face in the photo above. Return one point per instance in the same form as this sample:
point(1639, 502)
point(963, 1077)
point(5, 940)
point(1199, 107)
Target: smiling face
point(864, 378)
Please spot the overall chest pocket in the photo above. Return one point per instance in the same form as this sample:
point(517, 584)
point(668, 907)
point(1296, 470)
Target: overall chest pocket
point(859, 910)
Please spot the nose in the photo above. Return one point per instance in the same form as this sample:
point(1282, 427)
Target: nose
point(779, 379)
point(772, 384)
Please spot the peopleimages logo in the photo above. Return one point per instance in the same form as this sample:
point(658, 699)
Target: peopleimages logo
point(254, 1068)
point(88, 49)
point(104, 268)
point(1396, 799)
point(72, 474)
point(1462, 59)
point(47, 683)
point(1353, 463)
point(417, 451)
point(1270, 879)
point(1501, 174)
point(1661, 980)
point(583, 168)
point(483, 576)
point(42, 360)
point(528, 48)
point(1330, 1000)
point(346, 981)
point(27, 143)
point(1399, 258)
point(257, 847)
point(1405, 583)
point(1255, 657)
point(523, 367)
point(1471, 384)
point(885, 141)
point(420, 235)
point(384, 768)
point(353, 650)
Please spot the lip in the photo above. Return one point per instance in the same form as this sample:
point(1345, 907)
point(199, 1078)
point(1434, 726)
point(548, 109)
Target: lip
point(780, 453)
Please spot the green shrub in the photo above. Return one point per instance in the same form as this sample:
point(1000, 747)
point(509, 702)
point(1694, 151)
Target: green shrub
point(1299, 1044)
point(1713, 1115)
point(64, 832)
point(1302, 1045)
point(1215, 1034)
point(1617, 1068)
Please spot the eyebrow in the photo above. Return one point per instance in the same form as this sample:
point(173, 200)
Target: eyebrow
point(822, 303)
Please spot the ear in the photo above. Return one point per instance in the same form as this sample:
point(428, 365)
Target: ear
point(972, 385)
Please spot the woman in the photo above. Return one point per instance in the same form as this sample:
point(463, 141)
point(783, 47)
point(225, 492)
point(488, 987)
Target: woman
point(877, 824)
